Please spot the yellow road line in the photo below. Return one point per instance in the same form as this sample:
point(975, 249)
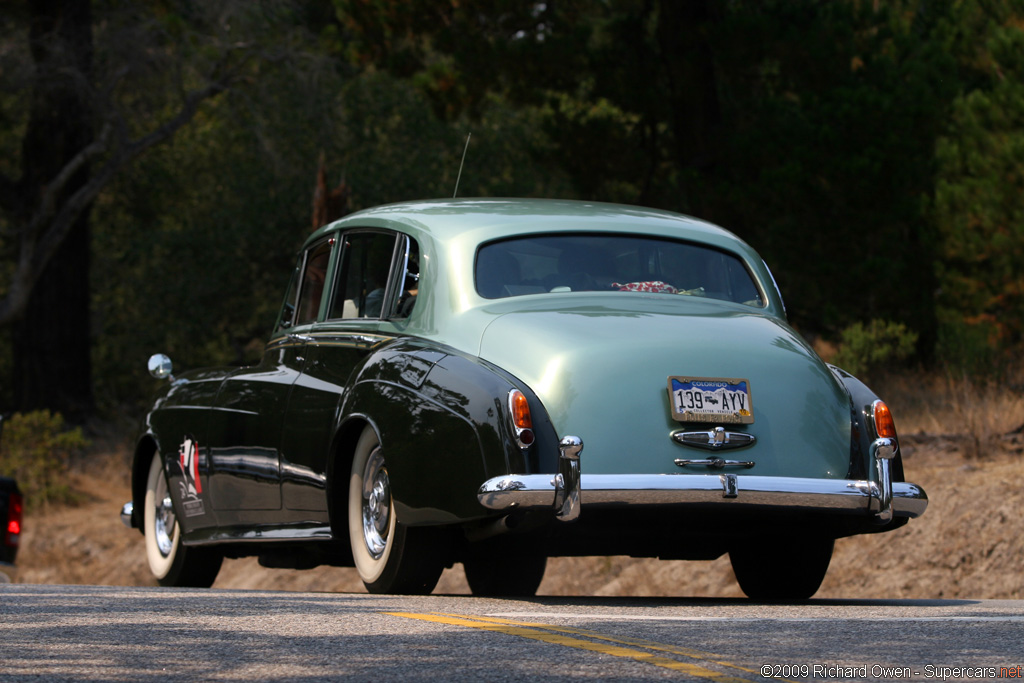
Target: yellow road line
point(553, 635)
point(622, 640)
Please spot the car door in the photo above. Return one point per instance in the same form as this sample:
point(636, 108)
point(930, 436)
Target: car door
point(245, 430)
point(366, 289)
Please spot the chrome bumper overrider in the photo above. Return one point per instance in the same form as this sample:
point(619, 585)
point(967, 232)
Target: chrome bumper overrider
point(126, 514)
point(883, 498)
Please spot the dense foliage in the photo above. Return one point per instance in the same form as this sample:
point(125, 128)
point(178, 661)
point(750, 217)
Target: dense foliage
point(37, 450)
point(872, 152)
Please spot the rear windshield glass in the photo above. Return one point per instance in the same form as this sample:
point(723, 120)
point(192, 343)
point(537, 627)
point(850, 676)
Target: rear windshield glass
point(538, 264)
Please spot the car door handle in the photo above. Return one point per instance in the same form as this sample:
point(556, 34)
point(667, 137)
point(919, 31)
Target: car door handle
point(304, 338)
point(366, 341)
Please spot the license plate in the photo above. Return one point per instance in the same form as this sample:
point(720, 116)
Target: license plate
point(710, 399)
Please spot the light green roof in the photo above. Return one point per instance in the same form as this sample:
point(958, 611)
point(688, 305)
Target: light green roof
point(446, 218)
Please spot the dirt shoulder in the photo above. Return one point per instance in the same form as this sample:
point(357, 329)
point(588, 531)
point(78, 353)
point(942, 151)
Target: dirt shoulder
point(968, 544)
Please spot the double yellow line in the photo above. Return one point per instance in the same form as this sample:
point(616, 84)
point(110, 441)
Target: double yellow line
point(591, 641)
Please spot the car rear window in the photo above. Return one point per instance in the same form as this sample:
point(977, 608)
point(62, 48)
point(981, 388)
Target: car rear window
point(539, 264)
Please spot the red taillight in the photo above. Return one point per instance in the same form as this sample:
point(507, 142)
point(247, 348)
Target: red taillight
point(885, 426)
point(14, 512)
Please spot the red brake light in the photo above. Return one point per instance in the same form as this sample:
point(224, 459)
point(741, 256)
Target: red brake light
point(14, 512)
point(885, 426)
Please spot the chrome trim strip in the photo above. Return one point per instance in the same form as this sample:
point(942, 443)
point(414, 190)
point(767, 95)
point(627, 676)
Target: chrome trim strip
point(304, 531)
point(538, 492)
point(207, 408)
point(348, 338)
point(715, 463)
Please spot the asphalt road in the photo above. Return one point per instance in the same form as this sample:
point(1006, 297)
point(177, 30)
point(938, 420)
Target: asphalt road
point(148, 634)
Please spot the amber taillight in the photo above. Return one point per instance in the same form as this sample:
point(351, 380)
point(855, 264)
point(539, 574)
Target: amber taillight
point(519, 408)
point(885, 426)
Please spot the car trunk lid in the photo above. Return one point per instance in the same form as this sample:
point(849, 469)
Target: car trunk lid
point(601, 364)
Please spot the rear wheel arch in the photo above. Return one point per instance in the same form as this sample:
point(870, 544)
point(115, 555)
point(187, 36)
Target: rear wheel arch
point(425, 440)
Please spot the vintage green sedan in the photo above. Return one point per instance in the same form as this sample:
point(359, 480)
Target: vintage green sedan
point(495, 382)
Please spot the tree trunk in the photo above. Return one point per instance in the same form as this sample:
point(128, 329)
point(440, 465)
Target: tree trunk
point(51, 345)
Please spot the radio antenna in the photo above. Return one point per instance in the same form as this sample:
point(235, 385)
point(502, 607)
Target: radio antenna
point(461, 164)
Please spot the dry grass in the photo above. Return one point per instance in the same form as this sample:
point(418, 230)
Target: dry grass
point(980, 415)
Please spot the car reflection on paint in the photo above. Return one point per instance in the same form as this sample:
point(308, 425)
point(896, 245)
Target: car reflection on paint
point(496, 382)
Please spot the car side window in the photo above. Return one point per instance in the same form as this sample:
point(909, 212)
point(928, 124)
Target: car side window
point(314, 275)
point(361, 289)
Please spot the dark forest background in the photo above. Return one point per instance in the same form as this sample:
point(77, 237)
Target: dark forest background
point(158, 159)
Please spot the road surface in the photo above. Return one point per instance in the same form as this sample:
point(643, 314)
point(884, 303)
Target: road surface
point(150, 634)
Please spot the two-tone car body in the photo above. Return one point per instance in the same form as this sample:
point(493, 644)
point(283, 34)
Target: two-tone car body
point(495, 382)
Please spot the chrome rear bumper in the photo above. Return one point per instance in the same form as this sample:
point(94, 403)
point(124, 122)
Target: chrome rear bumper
point(565, 492)
point(538, 491)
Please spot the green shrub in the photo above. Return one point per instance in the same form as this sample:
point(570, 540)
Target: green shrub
point(36, 449)
point(867, 348)
point(971, 349)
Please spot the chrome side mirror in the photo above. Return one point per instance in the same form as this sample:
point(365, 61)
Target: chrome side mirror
point(160, 366)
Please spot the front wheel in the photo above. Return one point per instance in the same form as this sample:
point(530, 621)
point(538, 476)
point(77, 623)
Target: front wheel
point(173, 563)
point(389, 556)
point(782, 569)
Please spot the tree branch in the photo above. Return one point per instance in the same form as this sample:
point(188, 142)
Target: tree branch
point(55, 188)
point(50, 223)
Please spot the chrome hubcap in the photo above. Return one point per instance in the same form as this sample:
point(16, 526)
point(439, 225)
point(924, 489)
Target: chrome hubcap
point(376, 504)
point(164, 521)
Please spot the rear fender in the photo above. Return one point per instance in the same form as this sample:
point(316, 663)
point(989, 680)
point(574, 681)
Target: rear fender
point(444, 425)
point(862, 430)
